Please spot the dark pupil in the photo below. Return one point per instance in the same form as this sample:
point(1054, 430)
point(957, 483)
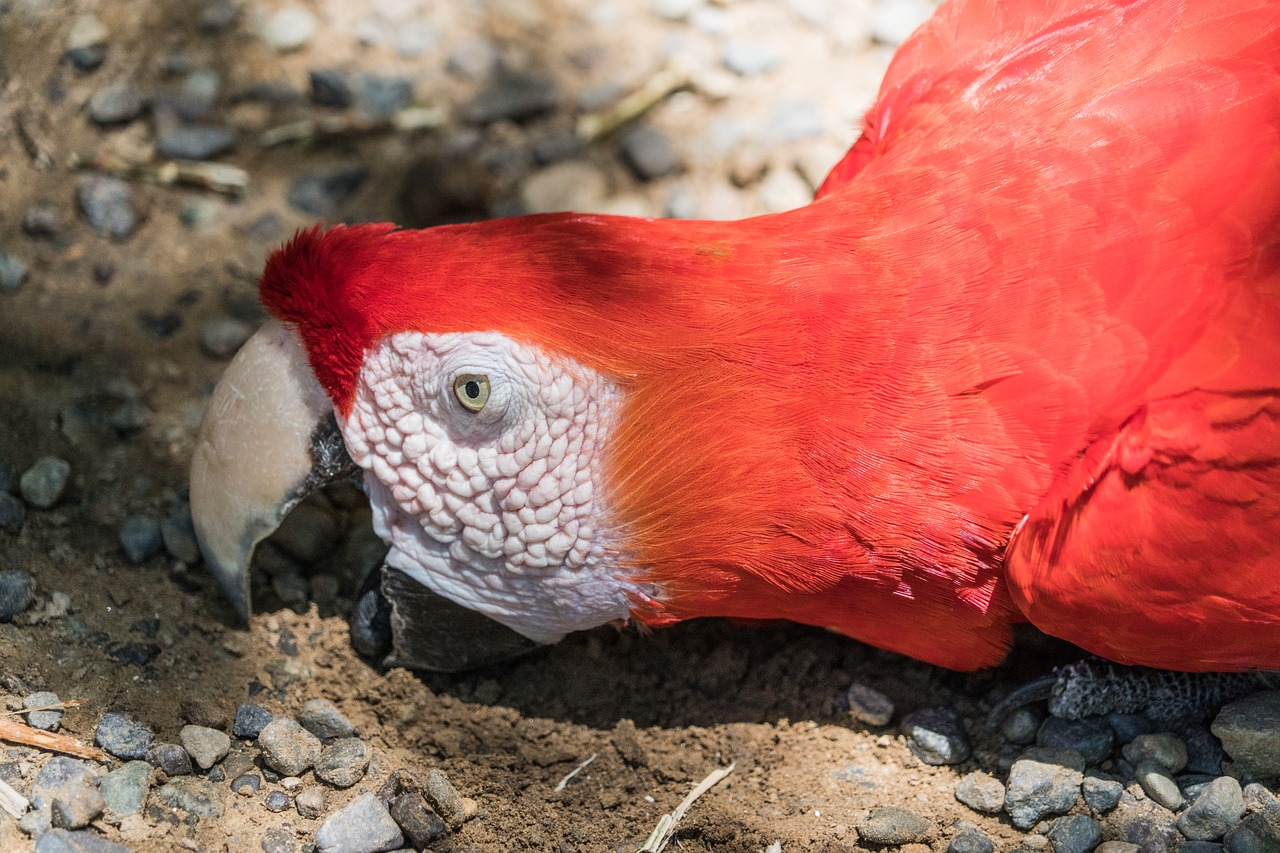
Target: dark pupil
point(472, 389)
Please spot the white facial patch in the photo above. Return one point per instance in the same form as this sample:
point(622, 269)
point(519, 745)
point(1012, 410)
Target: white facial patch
point(482, 458)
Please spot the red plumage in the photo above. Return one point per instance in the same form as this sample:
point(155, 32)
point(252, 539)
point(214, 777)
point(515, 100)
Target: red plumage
point(1045, 282)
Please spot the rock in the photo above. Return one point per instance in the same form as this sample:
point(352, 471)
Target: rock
point(287, 747)
point(1249, 729)
point(364, 826)
point(310, 803)
point(171, 758)
point(42, 220)
point(420, 824)
point(12, 272)
point(574, 185)
point(749, 58)
point(1091, 737)
point(649, 153)
point(279, 839)
point(382, 96)
point(868, 705)
point(970, 840)
point(1217, 808)
point(783, 189)
point(1074, 834)
point(74, 805)
point(251, 719)
point(893, 825)
point(217, 15)
point(107, 205)
point(140, 537)
point(323, 719)
point(1158, 784)
point(1204, 751)
point(246, 784)
point(192, 794)
point(122, 737)
point(206, 746)
point(320, 192)
point(86, 46)
point(1254, 834)
point(936, 736)
point(1164, 749)
point(287, 29)
point(893, 20)
point(17, 591)
point(59, 777)
point(1260, 801)
point(512, 95)
point(124, 789)
point(330, 87)
point(1116, 847)
point(981, 792)
point(178, 534)
point(222, 337)
point(49, 719)
point(792, 120)
point(12, 512)
point(195, 142)
point(44, 482)
point(1043, 782)
point(277, 801)
point(118, 104)
point(445, 799)
point(344, 762)
point(84, 841)
point(472, 59)
point(1101, 793)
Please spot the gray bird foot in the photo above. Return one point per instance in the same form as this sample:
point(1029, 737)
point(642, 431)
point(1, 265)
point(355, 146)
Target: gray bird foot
point(1094, 687)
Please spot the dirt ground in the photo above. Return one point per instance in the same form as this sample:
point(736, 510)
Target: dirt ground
point(99, 322)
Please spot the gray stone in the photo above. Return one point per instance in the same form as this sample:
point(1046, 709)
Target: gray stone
point(1249, 729)
point(1074, 834)
point(118, 104)
point(344, 762)
point(125, 788)
point(1217, 808)
point(171, 758)
point(287, 29)
point(323, 719)
point(1091, 737)
point(86, 31)
point(382, 96)
point(1204, 751)
point(330, 87)
point(58, 776)
point(310, 803)
point(1260, 801)
point(868, 705)
point(981, 792)
point(1129, 726)
point(42, 220)
point(13, 272)
point(936, 736)
point(83, 841)
point(649, 153)
point(513, 96)
point(246, 784)
point(44, 482)
point(970, 839)
point(222, 337)
point(276, 801)
point(74, 806)
point(195, 142)
point(192, 794)
point(1043, 782)
point(320, 192)
point(206, 746)
point(572, 185)
point(1158, 785)
point(107, 205)
point(1162, 748)
point(363, 826)
point(1252, 835)
point(1101, 793)
point(17, 591)
point(287, 747)
point(251, 719)
point(893, 825)
point(178, 533)
point(217, 15)
point(792, 120)
point(1200, 847)
point(122, 737)
point(140, 537)
point(444, 798)
point(420, 824)
point(472, 59)
point(12, 512)
point(749, 58)
point(782, 190)
point(49, 719)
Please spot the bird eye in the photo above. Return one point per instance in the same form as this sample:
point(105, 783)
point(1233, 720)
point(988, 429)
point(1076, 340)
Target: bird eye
point(472, 390)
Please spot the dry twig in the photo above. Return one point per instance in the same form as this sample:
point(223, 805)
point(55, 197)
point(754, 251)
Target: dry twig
point(575, 771)
point(666, 827)
point(218, 177)
point(331, 127)
point(17, 732)
point(673, 77)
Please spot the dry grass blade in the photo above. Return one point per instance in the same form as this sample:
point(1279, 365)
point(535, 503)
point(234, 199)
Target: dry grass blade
point(575, 771)
point(666, 827)
point(24, 735)
point(218, 177)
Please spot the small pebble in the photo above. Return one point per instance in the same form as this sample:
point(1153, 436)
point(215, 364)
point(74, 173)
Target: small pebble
point(1021, 726)
point(1101, 794)
point(320, 192)
point(782, 190)
point(936, 736)
point(792, 120)
point(970, 840)
point(140, 537)
point(1217, 808)
point(281, 839)
point(1043, 782)
point(42, 220)
point(572, 185)
point(196, 142)
point(1204, 751)
point(277, 801)
point(674, 10)
point(344, 762)
point(1249, 729)
point(1162, 748)
point(125, 788)
point(382, 96)
point(118, 104)
point(445, 799)
point(1129, 726)
point(122, 737)
point(323, 719)
point(217, 15)
point(44, 482)
point(250, 720)
point(192, 794)
point(310, 803)
point(74, 806)
point(749, 58)
point(49, 719)
point(981, 792)
point(12, 272)
point(17, 591)
point(893, 825)
point(649, 153)
point(246, 784)
point(513, 96)
point(12, 512)
point(206, 746)
point(1158, 784)
point(86, 31)
point(1074, 834)
point(179, 537)
point(420, 824)
point(363, 826)
point(1091, 737)
point(472, 59)
point(1116, 847)
point(287, 747)
point(288, 29)
point(171, 758)
point(58, 778)
point(330, 87)
point(80, 841)
point(868, 705)
point(222, 337)
point(107, 205)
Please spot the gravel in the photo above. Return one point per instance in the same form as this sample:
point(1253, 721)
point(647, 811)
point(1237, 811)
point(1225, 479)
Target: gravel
point(17, 591)
point(44, 482)
point(141, 538)
point(48, 720)
point(1249, 729)
point(171, 758)
point(192, 794)
point(981, 792)
point(122, 737)
point(124, 790)
point(1159, 785)
point(250, 720)
point(1101, 793)
point(13, 272)
point(445, 799)
point(288, 29)
point(206, 746)
point(344, 762)
point(42, 221)
point(421, 825)
point(324, 720)
point(330, 87)
point(1217, 808)
point(287, 747)
point(868, 705)
point(319, 192)
point(196, 142)
point(893, 825)
point(12, 512)
point(363, 826)
point(1162, 748)
point(117, 104)
point(749, 58)
point(512, 96)
point(310, 802)
point(1091, 737)
point(649, 153)
point(222, 337)
point(276, 801)
point(935, 735)
point(66, 841)
point(107, 205)
point(1074, 834)
point(1043, 782)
